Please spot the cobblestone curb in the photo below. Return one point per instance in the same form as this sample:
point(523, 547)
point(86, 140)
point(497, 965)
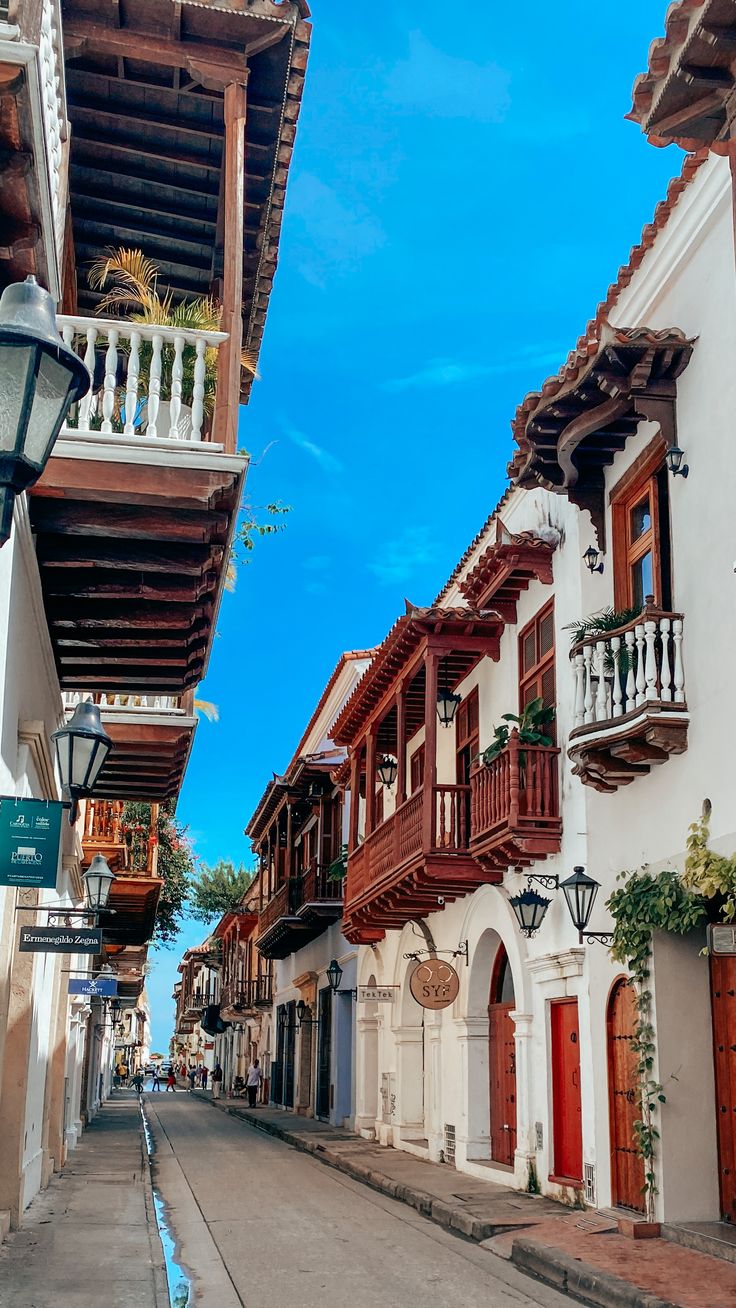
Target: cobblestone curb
point(583, 1282)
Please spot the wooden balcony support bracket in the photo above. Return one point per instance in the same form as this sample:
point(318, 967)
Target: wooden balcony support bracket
point(225, 429)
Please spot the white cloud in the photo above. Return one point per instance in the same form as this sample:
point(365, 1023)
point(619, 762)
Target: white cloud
point(399, 560)
point(327, 461)
point(453, 372)
point(442, 85)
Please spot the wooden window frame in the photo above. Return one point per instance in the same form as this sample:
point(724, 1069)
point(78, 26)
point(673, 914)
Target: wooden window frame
point(535, 673)
point(417, 754)
point(642, 478)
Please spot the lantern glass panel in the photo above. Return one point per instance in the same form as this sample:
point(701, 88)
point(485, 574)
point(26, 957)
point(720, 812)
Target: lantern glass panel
point(334, 974)
point(82, 753)
point(16, 361)
point(50, 404)
point(96, 763)
point(530, 909)
point(580, 892)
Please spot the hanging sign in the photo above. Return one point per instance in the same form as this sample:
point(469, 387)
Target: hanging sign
point(376, 994)
point(30, 833)
point(434, 983)
point(722, 939)
point(91, 985)
point(60, 940)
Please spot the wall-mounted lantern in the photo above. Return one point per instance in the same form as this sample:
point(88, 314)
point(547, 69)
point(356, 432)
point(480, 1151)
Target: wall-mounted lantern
point(673, 459)
point(591, 559)
point(82, 747)
point(530, 909)
point(387, 770)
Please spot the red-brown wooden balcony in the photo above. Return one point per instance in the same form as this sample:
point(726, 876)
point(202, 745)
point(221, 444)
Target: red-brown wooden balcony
point(152, 739)
point(135, 892)
point(515, 807)
point(298, 912)
point(630, 706)
point(410, 864)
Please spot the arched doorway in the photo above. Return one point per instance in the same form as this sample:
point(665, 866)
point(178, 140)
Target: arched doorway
point(502, 1061)
point(627, 1168)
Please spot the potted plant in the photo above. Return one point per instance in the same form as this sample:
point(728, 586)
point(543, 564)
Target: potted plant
point(132, 280)
point(530, 726)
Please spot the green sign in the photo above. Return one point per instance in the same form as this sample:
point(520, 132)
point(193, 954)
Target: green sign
point(30, 833)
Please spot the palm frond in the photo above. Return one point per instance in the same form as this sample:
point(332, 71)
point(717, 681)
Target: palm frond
point(208, 710)
point(131, 269)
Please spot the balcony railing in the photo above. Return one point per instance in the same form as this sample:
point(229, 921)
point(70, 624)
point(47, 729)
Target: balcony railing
point(630, 698)
point(400, 838)
point(514, 805)
point(130, 703)
point(146, 381)
point(316, 885)
point(103, 822)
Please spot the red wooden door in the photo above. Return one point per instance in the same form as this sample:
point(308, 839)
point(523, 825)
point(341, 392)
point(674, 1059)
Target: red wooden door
point(627, 1168)
point(566, 1104)
point(723, 1008)
point(502, 1061)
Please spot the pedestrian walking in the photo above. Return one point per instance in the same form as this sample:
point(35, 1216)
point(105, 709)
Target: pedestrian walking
point(253, 1079)
point(137, 1084)
point(155, 1080)
point(123, 1068)
point(191, 1077)
point(217, 1081)
point(205, 1074)
point(171, 1080)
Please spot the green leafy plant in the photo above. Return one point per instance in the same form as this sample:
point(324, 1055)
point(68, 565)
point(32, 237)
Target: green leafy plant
point(709, 874)
point(529, 724)
point(337, 869)
point(218, 889)
point(600, 624)
point(175, 863)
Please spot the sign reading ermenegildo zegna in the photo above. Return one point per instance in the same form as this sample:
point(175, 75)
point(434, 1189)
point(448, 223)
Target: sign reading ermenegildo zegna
point(60, 940)
point(30, 834)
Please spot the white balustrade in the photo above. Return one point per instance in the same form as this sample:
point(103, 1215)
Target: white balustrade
point(618, 672)
point(124, 703)
point(140, 369)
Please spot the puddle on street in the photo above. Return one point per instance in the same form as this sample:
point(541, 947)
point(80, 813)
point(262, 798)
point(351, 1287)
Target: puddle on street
point(179, 1285)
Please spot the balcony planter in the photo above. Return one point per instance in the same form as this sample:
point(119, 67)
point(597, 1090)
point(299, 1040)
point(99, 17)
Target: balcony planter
point(636, 1228)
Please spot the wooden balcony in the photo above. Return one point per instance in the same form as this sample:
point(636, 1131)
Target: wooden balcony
point(413, 862)
point(515, 807)
point(135, 892)
point(152, 738)
point(133, 516)
point(298, 912)
point(630, 705)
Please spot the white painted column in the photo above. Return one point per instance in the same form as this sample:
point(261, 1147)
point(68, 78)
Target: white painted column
point(473, 1139)
point(367, 1108)
point(525, 1153)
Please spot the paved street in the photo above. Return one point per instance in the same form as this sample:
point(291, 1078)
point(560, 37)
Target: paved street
point(256, 1222)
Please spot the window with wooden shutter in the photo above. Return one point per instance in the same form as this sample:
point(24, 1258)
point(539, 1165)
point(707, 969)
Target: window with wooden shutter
point(537, 659)
point(466, 736)
point(416, 769)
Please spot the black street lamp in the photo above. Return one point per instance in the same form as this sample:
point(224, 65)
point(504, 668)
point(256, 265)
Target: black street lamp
point(82, 747)
point(387, 770)
point(530, 908)
point(580, 892)
point(41, 378)
point(334, 976)
point(303, 1013)
point(98, 880)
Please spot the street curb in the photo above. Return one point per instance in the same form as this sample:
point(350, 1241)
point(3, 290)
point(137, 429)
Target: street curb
point(571, 1276)
point(577, 1279)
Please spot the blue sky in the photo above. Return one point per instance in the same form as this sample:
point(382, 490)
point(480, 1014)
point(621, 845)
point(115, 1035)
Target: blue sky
point(460, 200)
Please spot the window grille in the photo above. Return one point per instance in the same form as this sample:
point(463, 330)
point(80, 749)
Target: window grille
point(589, 1183)
point(449, 1144)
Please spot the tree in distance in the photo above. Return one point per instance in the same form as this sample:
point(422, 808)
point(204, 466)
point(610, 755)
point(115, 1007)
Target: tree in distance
point(217, 890)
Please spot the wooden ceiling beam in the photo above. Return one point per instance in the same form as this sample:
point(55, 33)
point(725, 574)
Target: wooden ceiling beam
point(193, 91)
point(100, 615)
point(160, 589)
point(82, 37)
point(120, 522)
point(125, 555)
point(122, 115)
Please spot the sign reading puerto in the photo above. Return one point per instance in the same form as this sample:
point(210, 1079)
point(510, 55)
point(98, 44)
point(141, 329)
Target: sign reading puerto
point(93, 985)
point(60, 940)
point(434, 983)
point(30, 832)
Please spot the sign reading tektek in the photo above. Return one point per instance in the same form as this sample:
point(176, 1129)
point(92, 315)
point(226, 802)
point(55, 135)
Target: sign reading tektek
point(434, 983)
point(93, 985)
point(30, 832)
point(60, 940)
point(376, 994)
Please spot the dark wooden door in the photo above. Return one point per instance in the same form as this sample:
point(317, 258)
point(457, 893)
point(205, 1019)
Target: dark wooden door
point(627, 1168)
point(289, 1049)
point(324, 1052)
point(723, 1007)
point(502, 1062)
point(567, 1122)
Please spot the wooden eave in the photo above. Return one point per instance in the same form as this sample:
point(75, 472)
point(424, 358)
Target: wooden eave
point(583, 417)
point(145, 89)
point(686, 94)
point(149, 755)
point(134, 901)
point(132, 550)
point(463, 636)
point(506, 568)
point(292, 788)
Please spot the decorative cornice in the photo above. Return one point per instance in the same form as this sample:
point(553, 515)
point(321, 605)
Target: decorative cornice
point(33, 736)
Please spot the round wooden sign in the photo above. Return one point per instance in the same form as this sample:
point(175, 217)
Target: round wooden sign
point(434, 983)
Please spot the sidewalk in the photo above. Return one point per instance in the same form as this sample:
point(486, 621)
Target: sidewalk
point(579, 1252)
point(91, 1238)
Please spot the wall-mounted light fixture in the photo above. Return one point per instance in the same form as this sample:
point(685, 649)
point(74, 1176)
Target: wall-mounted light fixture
point(387, 770)
point(591, 559)
point(530, 909)
point(673, 459)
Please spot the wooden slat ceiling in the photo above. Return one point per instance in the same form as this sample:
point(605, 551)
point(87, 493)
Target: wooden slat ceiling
point(146, 111)
point(134, 900)
point(131, 557)
point(148, 757)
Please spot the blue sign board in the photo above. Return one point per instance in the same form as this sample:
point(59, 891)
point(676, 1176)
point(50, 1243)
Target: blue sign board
point(91, 985)
point(30, 833)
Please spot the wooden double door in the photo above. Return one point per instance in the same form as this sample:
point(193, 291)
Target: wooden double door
point(627, 1168)
point(567, 1115)
point(502, 1062)
point(723, 1008)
